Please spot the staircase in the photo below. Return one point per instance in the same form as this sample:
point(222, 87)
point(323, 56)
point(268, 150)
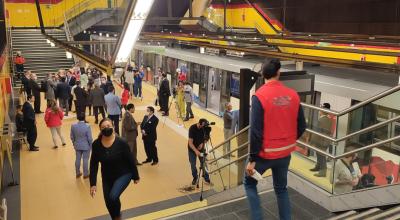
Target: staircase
point(41, 58)
point(89, 19)
point(370, 214)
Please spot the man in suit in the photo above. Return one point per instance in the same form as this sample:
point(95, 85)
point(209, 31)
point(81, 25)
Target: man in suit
point(25, 82)
point(71, 81)
point(163, 95)
point(63, 94)
point(130, 131)
point(149, 136)
point(81, 100)
point(30, 122)
point(35, 92)
point(324, 127)
point(97, 99)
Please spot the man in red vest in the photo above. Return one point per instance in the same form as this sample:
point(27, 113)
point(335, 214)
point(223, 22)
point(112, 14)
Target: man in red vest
point(19, 61)
point(277, 121)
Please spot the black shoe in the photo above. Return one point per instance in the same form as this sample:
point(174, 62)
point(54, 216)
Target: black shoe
point(154, 163)
point(192, 116)
point(186, 119)
point(139, 164)
point(64, 144)
point(315, 169)
point(165, 114)
point(96, 122)
point(207, 182)
point(33, 149)
point(194, 181)
point(55, 147)
point(146, 161)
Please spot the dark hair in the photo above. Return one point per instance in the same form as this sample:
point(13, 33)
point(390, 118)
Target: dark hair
point(19, 107)
point(78, 83)
point(101, 122)
point(164, 75)
point(62, 79)
point(81, 116)
point(126, 86)
point(130, 68)
point(326, 105)
point(111, 89)
point(150, 108)
point(202, 120)
point(29, 97)
point(130, 106)
point(270, 69)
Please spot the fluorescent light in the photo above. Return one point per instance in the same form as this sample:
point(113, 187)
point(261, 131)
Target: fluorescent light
point(100, 34)
point(107, 35)
point(135, 25)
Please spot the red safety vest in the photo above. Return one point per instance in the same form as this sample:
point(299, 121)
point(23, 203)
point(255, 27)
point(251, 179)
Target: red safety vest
point(19, 60)
point(281, 107)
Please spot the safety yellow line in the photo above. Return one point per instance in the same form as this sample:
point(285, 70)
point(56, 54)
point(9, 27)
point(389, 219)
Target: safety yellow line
point(172, 211)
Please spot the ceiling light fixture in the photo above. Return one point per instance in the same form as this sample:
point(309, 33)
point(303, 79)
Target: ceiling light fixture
point(135, 25)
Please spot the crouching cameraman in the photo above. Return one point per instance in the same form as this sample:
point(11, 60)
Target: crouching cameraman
point(197, 137)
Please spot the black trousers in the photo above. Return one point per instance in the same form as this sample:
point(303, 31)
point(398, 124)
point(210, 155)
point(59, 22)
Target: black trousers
point(70, 104)
point(36, 105)
point(80, 109)
point(321, 160)
point(31, 136)
point(164, 101)
point(115, 119)
point(96, 110)
point(151, 150)
point(112, 190)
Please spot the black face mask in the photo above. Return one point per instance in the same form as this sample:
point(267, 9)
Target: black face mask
point(107, 132)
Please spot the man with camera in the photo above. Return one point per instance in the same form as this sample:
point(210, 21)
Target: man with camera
point(197, 137)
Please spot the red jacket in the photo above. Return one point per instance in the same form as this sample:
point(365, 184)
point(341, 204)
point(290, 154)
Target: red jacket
point(281, 108)
point(125, 97)
point(19, 60)
point(53, 119)
point(182, 77)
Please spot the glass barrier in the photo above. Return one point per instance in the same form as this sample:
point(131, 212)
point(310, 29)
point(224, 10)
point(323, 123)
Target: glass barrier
point(226, 162)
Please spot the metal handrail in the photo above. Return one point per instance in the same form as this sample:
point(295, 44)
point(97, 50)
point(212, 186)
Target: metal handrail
point(230, 138)
point(368, 147)
point(356, 106)
point(238, 148)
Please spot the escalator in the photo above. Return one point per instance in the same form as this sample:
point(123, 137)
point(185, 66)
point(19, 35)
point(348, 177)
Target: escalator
point(377, 195)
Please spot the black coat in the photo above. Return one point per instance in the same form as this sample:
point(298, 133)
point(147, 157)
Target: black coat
point(71, 82)
point(164, 88)
point(63, 90)
point(29, 115)
point(81, 96)
point(150, 127)
point(25, 82)
point(35, 88)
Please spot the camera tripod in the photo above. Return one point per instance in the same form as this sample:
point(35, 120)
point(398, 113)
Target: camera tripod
point(178, 112)
point(204, 168)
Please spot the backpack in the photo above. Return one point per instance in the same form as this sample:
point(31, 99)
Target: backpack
point(43, 86)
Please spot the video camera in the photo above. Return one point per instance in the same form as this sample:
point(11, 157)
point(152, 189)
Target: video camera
point(206, 128)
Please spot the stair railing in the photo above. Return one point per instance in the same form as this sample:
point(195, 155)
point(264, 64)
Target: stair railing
point(69, 35)
point(76, 10)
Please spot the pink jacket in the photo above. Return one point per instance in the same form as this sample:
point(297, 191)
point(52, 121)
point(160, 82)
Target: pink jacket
point(53, 119)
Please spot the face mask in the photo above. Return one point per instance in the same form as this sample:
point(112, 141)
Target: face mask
point(107, 132)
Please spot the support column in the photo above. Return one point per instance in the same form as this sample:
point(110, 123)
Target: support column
point(299, 65)
point(169, 8)
point(39, 13)
point(190, 8)
point(247, 80)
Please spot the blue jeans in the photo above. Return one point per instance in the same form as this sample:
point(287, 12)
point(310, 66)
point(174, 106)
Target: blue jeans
point(279, 175)
point(82, 154)
point(112, 190)
point(192, 160)
point(138, 89)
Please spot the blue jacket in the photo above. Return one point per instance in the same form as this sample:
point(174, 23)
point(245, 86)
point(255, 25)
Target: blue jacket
point(113, 103)
point(81, 136)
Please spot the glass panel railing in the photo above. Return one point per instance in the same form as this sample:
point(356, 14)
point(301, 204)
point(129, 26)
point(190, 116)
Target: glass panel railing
point(226, 161)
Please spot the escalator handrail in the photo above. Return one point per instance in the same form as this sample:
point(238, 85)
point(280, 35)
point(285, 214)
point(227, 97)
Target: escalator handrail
point(356, 106)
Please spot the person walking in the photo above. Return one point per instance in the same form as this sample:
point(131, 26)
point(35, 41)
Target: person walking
point(63, 94)
point(228, 131)
point(129, 79)
point(180, 99)
point(98, 102)
point(189, 101)
point(118, 167)
point(53, 118)
point(164, 94)
point(138, 78)
point(81, 97)
point(51, 87)
point(277, 121)
point(125, 95)
point(35, 92)
point(149, 136)
point(19, 61)
point(130, 131)
point(81, 137)
point(324, 127)
point(30, 122)
point(113, 104)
